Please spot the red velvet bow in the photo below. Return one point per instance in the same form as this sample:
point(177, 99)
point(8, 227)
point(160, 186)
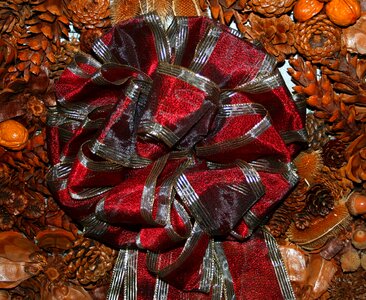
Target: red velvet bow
point(179, 144)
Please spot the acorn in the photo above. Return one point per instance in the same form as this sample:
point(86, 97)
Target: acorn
point(363, 261)
point(13, 135)
point(356, 204)
point(359, 238)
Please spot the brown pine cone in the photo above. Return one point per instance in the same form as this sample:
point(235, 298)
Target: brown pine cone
point(89, 262)
point(270, 8)
point(275, 34)
point(280, 222)
point(317, 38)
point(355, 169)
point(89, 14)
point(334, 154)
point(302, 220)
point(317, 132)
point(88, 37)
point(319, 200)
point(295, 202)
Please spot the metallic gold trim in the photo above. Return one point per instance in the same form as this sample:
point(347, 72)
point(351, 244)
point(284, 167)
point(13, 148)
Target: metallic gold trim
point(229, 291)
point(102, 51)
point(100, 212)
point(89, 193)
point(192, 201)
point(235, 33)
point(252, 221)
point(207, 269)
point(161, 40)
point(149, 129)
point(279, 266)
point(96, 166)
point(148, 193)
point(249, 136)
point(262, 84)
point(294, 136)
point(118, 274)
point(152, 258)
point(252, 178)
point(269, 64)
point(290, 175)
point(82, 58)
point(178, 34)
point(161, 290)
point(130, 282)
point(92, 226)
point(200, 82)
point(113, 155)
point(205, 48)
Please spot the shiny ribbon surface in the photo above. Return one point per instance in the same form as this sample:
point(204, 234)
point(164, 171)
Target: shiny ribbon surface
point(174, 146)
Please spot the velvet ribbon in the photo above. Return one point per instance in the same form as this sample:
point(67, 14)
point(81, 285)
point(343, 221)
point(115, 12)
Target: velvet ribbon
point(174, 146)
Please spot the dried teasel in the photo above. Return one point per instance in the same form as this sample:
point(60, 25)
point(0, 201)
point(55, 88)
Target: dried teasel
point(275, 34)
point(317, 38)
point(309, 165)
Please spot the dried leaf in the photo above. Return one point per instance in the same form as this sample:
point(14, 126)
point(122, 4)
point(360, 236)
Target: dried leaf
point(12, 273)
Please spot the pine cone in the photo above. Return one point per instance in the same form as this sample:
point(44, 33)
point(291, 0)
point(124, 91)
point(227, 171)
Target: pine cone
point(295, 202)
point(319, 200)
point(88, 37)
point(89, 14)
point(89, 261)
point(334, 154)
point(317, 38)
point(348, 285)
point(270, 8)
point(280, 222)
point(302, 220)
point(355, 169)
point(348, 73)
point(275, 34)
point(317, 132)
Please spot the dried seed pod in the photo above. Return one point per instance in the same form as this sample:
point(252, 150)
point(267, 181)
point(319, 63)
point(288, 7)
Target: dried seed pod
point(13, 135)
point(350, 260)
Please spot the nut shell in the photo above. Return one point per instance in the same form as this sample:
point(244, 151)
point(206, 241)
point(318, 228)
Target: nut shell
point(13, 135)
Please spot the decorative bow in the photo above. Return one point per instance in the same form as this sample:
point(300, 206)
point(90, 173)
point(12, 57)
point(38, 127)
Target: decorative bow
point(178, 144)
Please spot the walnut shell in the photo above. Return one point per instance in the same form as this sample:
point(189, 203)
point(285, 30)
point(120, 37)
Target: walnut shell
point(306, 9)
point(13, 135)
point(343, 12)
